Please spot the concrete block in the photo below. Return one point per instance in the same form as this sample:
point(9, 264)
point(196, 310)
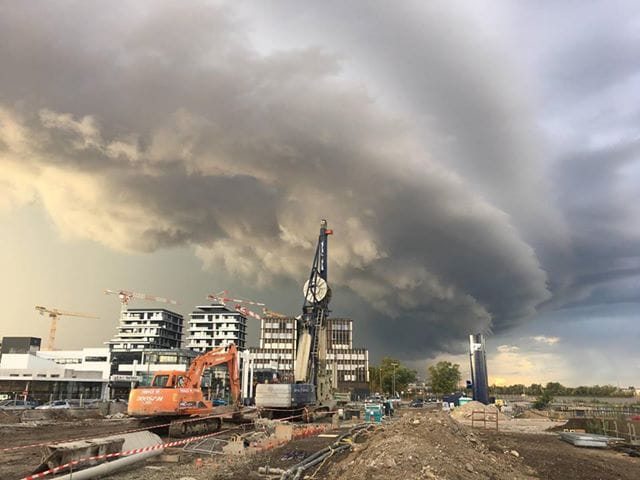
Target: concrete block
point(234, 448)
point(284, 431)
point(169, 458)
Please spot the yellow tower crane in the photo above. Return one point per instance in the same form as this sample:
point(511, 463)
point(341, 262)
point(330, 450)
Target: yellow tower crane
point(54, 313)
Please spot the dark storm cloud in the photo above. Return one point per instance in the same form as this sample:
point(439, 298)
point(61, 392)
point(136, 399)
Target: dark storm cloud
point(161, 125)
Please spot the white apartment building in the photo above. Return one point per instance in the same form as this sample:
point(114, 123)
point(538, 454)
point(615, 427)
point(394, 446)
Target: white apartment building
point(214, 325)
point(143, 329)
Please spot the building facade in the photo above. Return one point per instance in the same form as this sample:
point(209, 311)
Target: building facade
point(215, 325)
point(58, 374)
point(278, 344)
point(142, 328)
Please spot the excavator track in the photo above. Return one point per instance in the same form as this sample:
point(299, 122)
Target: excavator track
point(185, 428)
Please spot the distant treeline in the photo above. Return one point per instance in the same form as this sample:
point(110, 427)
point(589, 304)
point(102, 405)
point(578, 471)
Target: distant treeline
point(558, 390)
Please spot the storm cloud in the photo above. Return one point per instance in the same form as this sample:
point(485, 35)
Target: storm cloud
point(165, 125)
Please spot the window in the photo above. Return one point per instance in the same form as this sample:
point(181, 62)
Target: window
point(95, 359)
point(167, 358)
point(160, 381)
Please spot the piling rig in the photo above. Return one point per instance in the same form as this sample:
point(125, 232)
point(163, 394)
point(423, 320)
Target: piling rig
point(312, 391)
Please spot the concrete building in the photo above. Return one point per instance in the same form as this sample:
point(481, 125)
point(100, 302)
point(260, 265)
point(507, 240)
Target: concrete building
point(47, 375)
point(142, 328)
point(84, 360)
point(214, 325)
point(277, 351)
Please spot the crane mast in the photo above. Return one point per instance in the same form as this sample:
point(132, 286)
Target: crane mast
point(54, 313)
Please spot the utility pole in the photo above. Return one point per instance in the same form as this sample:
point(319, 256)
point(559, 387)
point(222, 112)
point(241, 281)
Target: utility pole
point(394, 365)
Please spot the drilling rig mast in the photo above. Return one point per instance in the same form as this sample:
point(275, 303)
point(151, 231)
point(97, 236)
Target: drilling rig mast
point(311, 359)
point(312, 392)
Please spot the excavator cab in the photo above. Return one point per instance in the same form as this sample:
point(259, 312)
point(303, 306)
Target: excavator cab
point(168, 380)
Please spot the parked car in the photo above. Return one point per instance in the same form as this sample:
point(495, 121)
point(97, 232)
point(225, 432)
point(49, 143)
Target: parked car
point(416, 403)
point(219, 402)
point(18, 404)
point(55, 405)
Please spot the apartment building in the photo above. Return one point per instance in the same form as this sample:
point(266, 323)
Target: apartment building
point(214, 325)
point(144, 329)
point(140, 330)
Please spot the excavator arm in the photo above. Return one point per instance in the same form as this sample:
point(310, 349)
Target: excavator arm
point(221, 355)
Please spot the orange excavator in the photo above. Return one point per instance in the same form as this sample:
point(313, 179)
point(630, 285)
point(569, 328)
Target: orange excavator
point(176, 395)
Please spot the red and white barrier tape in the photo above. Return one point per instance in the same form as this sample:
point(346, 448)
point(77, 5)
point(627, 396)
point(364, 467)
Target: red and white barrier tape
point(141, 429)
point(123, 454)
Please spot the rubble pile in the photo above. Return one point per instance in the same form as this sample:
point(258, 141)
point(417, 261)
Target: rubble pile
point(428, 445)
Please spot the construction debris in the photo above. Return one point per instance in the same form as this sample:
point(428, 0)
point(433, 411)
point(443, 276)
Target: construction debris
point(588, 439)
point(436, 447)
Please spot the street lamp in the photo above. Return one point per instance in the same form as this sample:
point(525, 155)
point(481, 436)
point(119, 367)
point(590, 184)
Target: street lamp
point(394, 365)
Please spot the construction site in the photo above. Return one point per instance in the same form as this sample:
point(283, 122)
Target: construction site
point(297, 424)
point(288, 240)
point(413, 444)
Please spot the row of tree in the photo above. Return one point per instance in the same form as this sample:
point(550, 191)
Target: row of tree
point(558, 390)
point(444, 377)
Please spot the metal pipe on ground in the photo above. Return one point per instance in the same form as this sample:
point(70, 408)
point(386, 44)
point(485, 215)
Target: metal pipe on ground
point(131, 441)
point(337, 446)
point(316, 461)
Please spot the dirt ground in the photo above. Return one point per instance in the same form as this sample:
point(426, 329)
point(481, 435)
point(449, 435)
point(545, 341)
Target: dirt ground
point(552, 458)
point(19, 463)
point(418, 444)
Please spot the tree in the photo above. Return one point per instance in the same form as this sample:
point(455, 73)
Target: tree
point(385, 372)
point(534, 389)
point(555, 388)
point(543, 400)
point(444, 377)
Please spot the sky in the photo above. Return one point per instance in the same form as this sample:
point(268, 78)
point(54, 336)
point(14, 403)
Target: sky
point(478, 163)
